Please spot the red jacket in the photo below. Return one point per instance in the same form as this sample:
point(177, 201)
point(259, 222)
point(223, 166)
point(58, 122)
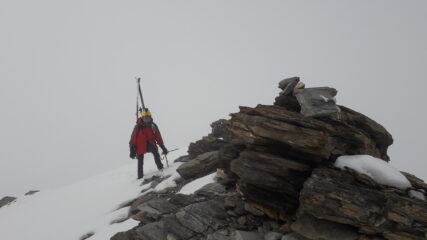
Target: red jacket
point(143, 134)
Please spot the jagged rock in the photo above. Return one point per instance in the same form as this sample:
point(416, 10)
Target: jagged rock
point(288, 85)
point(145, 198)
point(6, 201)
point(206, 144)
point(277, 176)
point(253, 208)
point(293, 236)
point(270, 171)
point(87, 235)
point(317, 229)
point(338, 196)
point(185, 158)
point(199, 216)
point(242, 235)
point(202, 165)
point(182, 200)
point(217, 236)
point(275, 129)
point(290, 103)
point(220, 130)
point(31, 192)
point(172, 225)
point(151, 231)
point(210, 190)
point(415, 182)
point(317, 102)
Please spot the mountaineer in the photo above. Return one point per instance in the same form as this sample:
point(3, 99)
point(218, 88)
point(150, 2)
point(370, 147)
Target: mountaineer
point(145, 138)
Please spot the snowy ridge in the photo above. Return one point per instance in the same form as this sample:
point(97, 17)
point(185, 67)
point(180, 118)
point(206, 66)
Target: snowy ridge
point(88, 206)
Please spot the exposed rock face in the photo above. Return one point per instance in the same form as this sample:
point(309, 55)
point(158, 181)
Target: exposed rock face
point(337, 196)
point(6, 201)
point(202, 165)
point(278, 180)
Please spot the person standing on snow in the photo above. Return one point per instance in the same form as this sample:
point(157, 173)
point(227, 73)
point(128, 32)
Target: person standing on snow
point(145, 138)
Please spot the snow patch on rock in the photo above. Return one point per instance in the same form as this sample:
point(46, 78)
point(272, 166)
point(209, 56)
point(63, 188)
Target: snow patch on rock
point(377, 169)
point(195, 185)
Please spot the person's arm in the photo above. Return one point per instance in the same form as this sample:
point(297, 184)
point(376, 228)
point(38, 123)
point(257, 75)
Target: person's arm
point(159, 140)
point(132, 143)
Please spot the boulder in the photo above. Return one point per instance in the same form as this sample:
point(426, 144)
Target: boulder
point(200, 166)
point(288, 85)
point(317, 102)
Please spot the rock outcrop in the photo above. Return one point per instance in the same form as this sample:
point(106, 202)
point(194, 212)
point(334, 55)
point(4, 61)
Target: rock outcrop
point(6, 201)
point(277, 179)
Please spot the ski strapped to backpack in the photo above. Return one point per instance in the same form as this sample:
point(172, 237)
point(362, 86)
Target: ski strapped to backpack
point(142, 108)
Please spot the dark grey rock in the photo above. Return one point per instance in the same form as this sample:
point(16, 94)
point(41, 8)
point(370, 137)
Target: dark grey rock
point(317, 229)
point(6, 201)
point(31, 192)
point(220, 130)
point(185, 158)
point(293, 236)
point(288, 85)
point(211, 189)
point(182, 200)
point(338, 196)
point(317, 102)
point(200, 166)
point(172, 225)
point(200, 216)
point(151, 231)
point(162, 205)
point(87, 235)
point(243, 235)
point(204, 145)
point(217, 236)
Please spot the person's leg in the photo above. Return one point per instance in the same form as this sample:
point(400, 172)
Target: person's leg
point(140, 166)
point(156, 155)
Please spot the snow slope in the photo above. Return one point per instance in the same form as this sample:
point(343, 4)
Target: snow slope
point(69, 212)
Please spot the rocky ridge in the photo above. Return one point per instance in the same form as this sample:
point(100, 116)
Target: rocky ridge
point(276, 179)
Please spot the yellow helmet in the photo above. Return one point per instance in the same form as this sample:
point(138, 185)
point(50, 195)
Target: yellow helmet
point(145, 113)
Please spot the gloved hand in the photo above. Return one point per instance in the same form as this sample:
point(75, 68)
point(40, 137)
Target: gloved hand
point(164, 149)
point(132, 153)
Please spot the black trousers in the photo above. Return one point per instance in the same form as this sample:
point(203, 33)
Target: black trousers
point(157, 160)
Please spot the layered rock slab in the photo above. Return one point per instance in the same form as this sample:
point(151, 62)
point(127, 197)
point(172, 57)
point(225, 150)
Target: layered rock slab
point(339, 197)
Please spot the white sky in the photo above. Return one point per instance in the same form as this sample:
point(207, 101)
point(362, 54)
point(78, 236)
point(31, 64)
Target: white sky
point(67, 68)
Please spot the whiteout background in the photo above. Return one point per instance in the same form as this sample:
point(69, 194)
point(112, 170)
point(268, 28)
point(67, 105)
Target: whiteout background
point(67, 68)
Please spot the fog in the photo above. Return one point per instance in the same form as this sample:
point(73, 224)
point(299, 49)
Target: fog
point(68, 68)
